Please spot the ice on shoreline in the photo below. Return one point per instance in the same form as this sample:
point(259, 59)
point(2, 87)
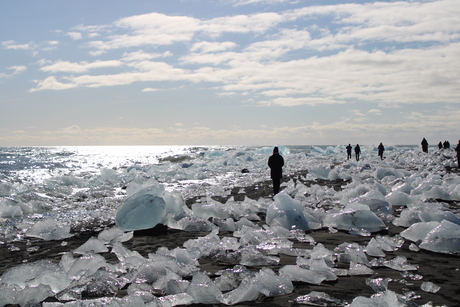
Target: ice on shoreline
point(413, 185)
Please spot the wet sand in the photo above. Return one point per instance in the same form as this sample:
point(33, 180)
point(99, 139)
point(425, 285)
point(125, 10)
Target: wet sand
point(441, 269)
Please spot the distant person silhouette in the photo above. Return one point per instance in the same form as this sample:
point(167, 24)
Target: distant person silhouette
point(348, 152)
point(457, 149)
point(424, 145)
point(381, 150)
point(446, 145)
point(440, 145)
point(357, 151)
point(276, 163)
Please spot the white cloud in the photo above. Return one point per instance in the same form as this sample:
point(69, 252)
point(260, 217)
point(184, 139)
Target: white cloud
point(14, 46)
point(65, 66)
point(75, 35)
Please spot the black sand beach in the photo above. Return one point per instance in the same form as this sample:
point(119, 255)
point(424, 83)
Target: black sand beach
point(441, 269)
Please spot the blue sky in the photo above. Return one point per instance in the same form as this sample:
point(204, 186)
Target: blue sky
point(228, 72)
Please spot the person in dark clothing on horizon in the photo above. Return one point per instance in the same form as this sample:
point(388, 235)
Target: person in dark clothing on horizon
point(424, 145)
point(457, 149)
point(381, 150)
point(348, 152)
point(440, 145)
point(276, 163)
point(357, 151)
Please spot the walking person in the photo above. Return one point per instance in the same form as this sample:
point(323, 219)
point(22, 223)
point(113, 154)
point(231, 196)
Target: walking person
point(276, 163)
point(457, 149)
point(424, 145)
point(357, 151)
point(348, 152)
point(381, 150)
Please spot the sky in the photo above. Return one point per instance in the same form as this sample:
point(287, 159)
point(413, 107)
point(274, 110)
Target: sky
point(229, 72)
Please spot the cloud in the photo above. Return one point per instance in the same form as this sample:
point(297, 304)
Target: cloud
point(65, 66)
point(75, 35)
point(372, 52)
point(375, 112)
point(12, 45)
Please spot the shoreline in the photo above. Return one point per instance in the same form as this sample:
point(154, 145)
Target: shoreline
point(441, 269)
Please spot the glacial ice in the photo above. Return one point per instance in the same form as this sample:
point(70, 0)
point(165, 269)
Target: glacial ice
point(287, 213)
point(92, 245)
point(363, 206)
point(428, 286)
point(444, 238)
point(355, 219)
point(148, 207)
point(269, 283)
point(42, 272)
point(49, 230)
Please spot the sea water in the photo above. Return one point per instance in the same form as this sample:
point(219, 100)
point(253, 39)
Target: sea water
point(53, 192)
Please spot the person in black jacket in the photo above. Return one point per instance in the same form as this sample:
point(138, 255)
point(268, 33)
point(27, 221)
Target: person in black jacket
point(424, 145)
point(276, 163)
point(357, 151)
point(381, 149)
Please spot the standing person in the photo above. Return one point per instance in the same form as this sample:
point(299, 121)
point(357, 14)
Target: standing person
point(276, 163)
point(381, 150)
point(348, 152)
point(457, 149)
point(357, 151)
point(440, 145)
point(424, 145)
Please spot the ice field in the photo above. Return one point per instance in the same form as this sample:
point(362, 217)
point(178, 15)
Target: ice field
point(52, 193)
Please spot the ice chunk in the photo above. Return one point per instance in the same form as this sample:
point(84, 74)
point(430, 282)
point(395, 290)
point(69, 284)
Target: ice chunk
point(399, 263)
point(87, 264)
point(438, 215)
point(33, 274)
point(9, 209)
point(203, 289)
point(286, 212)
point(418, 231)
point(92, 245)
point(376, 202)
point(143, 210)
point(384, 299)
point(251, 257)
point(114, 234)
point(430, 287)
point(297, 273)
point(398, 198)
point(374, 249)
point(444, 238)
point(361, 219)
point(378, 284)
point(213, 209)
point(351, 252)
point(407, 218)
point(245, 292)
point(359, 269)
point(28, 296)
point(49, 230)
point(320, 172)
point(268, 283)
point(315, 298)
point(382, 172)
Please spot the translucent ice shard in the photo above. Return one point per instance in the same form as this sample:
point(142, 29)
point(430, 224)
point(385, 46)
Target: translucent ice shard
point(270, 284)
point(286, 212)
point(444, 238)
point(49, 230)
point(92, 245)
point(322, 299)
point(430, 287)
